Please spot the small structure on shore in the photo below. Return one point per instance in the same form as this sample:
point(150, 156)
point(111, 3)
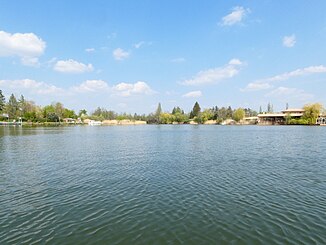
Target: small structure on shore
point(321, 120)
point(123, 122)
point(279, 118)
point(94, 123)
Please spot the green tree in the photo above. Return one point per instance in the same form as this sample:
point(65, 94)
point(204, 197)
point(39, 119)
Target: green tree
point(206, 115)
point(68, 113)
point(238, 114)
point(158, 110)
point(177, 110)
point(195, 111)
point(229, 112)
point(158, 113)
point(59, 109)
point(311, 112)
point(48, 113)
point(269, 108)
point(2, 101)
point(166, 118)
point(21, 105)
point(82, 113)
point(12, 106)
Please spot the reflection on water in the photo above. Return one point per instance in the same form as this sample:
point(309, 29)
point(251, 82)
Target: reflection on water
point(163, 184)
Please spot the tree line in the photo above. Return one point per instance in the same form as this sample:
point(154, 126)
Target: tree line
point(15, 108)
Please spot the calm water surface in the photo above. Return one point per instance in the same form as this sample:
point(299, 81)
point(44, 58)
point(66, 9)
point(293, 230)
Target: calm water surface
point(163, 185)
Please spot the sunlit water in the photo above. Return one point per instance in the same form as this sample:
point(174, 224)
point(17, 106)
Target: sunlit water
point(163, 185)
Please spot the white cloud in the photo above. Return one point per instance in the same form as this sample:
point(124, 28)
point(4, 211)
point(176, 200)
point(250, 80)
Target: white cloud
point(72, 66)
point(266, 82)
point(296, 73)
point(235, 62)
point(216, 74)
point(92, 86)
point(287, 94)
point(138, 45)
point(89, 50)
point(27, 46)
point(128, 89)
point(178, 60)
point(193, 94)
point(256, 87)
point(236, 16)
point(31, 86)
point(289, 41)
point(120, 54)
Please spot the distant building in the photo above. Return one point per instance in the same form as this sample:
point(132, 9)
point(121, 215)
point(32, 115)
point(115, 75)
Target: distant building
point(69, 120)
point(321, 120)
point(279, 118)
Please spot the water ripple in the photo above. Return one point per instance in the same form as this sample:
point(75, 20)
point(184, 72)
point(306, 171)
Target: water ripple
point(163, 185)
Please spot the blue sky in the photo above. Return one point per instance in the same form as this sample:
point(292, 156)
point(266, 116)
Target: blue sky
point(129, 55)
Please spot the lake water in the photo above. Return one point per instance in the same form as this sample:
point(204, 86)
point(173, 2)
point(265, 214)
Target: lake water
point(163, 185)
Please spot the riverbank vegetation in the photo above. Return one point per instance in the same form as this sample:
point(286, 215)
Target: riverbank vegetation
point(15, 109)
point(27, 111)
point(310, 115)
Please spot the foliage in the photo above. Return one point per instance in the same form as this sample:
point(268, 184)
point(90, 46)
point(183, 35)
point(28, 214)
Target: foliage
point(2, 101)
point(166, 118)
point(206, 115)
point(195, 111)
point(300, 121)
point(270, 108)
point(82, 113)
point(12, 106)
point(239, 114)
point(177, 110)
point(311, 112)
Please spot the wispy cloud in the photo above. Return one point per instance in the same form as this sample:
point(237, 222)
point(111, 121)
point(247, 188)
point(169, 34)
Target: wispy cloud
point(290, 94)
point(267, 82)
point(235, 17)
point(139, 44)
point(89, 50)
point(120, 54)
point(289, 41)
point(255, 86)
point(27, 46)
point(72, 66)
point(193, 94)
point(215, 74)
point(178, 60)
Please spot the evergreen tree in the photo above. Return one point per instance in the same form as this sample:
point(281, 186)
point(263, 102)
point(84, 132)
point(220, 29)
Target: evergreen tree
point(269, 108)
point(12, 106)
point(177, 110)
point(2, 101)
point(195, 111)
point(158, 110)
point(260, 110)
point(158, 113)
point(22, 106)
point(229, 112)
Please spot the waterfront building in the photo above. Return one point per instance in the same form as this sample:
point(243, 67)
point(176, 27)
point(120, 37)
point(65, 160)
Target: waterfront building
point(279, 118)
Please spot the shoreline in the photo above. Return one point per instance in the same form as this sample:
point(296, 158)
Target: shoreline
point(51, 124)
